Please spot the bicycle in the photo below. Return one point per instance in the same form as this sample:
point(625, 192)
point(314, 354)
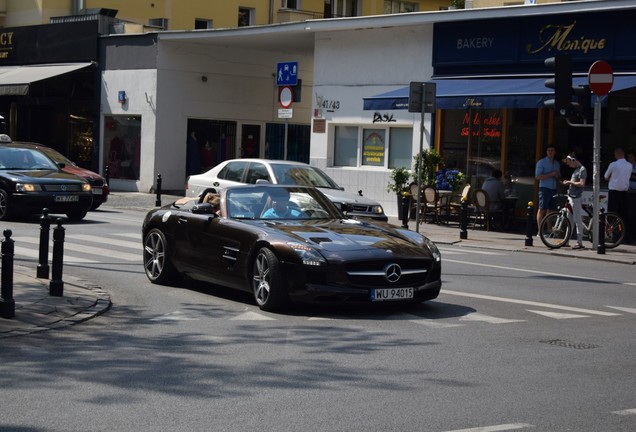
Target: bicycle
point(555, 229)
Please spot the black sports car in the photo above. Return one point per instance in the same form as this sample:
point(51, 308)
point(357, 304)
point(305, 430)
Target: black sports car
point(288, 243)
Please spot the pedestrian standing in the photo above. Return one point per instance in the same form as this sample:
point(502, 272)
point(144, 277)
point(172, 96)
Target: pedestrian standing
point(618, 174)
point(548, 172)
point(575, 191)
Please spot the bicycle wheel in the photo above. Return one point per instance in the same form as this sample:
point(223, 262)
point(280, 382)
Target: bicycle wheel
point(614, 230)
point(555, 230)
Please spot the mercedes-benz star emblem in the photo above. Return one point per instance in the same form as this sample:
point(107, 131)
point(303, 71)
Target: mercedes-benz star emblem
point(393, 272)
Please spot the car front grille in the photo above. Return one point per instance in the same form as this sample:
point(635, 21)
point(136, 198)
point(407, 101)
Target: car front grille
point(373, 273)
point(361, 208)
point(75, 187)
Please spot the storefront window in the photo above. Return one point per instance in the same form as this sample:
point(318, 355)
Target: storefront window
point(122, 146)
point(401, 151)
point(373, 144)
point(373, 148)
point(471, 142)
point(346, 146)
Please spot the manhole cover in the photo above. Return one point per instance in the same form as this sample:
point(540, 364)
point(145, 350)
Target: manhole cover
point(569, 344)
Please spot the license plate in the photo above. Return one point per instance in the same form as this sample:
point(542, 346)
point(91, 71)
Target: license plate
point(97, 191)
point(385, 294)
point(66, 198)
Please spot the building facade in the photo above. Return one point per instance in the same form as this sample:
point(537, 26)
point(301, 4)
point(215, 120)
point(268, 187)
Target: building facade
point(203, 14)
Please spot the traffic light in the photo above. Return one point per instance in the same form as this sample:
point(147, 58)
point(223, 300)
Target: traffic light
point(582, 105)
point(561, 83)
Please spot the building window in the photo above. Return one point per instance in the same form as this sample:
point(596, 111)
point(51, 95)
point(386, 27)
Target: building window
point(369, 147)
point(393, 7)
point(161, 23)
point(245, 17)
point(290, 4)
point(122, 146)
point(202, 24)
point(346, 8)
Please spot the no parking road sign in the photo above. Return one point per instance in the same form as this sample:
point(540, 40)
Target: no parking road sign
point(601, 78)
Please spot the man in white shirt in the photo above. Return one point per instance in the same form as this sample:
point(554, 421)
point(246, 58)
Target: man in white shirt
point(618, 173)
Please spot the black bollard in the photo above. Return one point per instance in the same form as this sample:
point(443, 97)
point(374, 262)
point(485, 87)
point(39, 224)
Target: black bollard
point(56, 286)
point(158, 202)
point(463, 220)
point(529, 223)
point(107, 174)
point(7, 304)
point(43, 263)
point(406, 201)
point(601, 233)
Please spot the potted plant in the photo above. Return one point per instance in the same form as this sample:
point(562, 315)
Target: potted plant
point(430, 159)
point(449, 179)
point(400, 185)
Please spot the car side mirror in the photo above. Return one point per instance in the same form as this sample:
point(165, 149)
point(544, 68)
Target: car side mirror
point(203, 208)
point(62, 165)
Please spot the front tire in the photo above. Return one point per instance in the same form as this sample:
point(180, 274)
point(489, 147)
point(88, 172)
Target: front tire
point(267, 281)
point(555, 230)
point(76, 215)
point(5, 213)
point(157, 264)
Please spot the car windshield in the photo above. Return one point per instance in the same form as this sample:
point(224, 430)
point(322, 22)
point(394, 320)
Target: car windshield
point(302, 175)
point(58, 157)
point(270, 202)
point(13, 158)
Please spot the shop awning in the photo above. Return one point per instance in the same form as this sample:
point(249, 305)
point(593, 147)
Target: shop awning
point(15, 80)
point(484, 93)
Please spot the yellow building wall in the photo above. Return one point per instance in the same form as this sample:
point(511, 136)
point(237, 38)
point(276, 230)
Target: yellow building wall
point(500, 3)
point(181, 14)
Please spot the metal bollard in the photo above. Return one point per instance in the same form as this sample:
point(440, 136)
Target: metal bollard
point(529, 223)
point(56, 286)
point(463, 220)
point(600, 250)
point(406, 201)
point(7, 304)
point(43, 261)
point(158, 202)
point(107, 174)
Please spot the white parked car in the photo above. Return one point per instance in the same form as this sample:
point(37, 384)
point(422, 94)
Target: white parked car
point(240, 171)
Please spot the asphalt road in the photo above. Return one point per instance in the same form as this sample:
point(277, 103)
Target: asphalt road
point(515, 341)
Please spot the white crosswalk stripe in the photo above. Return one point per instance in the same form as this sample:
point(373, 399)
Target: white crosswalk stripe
point(70, 247)
point(111, 241)
point(458, 251)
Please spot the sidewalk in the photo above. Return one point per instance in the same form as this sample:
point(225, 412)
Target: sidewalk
point(515, 241)
point(36, 310)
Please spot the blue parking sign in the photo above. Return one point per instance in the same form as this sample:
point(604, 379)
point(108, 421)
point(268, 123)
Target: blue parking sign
point(287, 74)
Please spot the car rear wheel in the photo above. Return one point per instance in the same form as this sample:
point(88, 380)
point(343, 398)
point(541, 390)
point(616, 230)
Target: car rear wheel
point(159, 269)
point(267, 281)
point(5, 214)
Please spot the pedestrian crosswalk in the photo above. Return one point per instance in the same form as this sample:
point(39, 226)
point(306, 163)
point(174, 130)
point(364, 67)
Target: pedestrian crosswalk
point(85, 249)
point(126, 248)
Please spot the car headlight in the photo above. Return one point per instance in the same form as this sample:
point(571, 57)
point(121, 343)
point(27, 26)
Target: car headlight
point(423, 241)
point(27, 187)
point(86, 187)
point(377, 209)
point(433, 248)
point(308, 255)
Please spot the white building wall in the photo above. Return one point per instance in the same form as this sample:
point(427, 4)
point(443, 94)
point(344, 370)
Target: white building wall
point(140, 87)
point(240, 86)
point(351, 65)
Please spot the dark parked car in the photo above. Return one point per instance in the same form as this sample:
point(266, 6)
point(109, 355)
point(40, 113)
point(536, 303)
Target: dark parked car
point(30, 181)
point(288, 244)
point(237, 171)
point(98, 183)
